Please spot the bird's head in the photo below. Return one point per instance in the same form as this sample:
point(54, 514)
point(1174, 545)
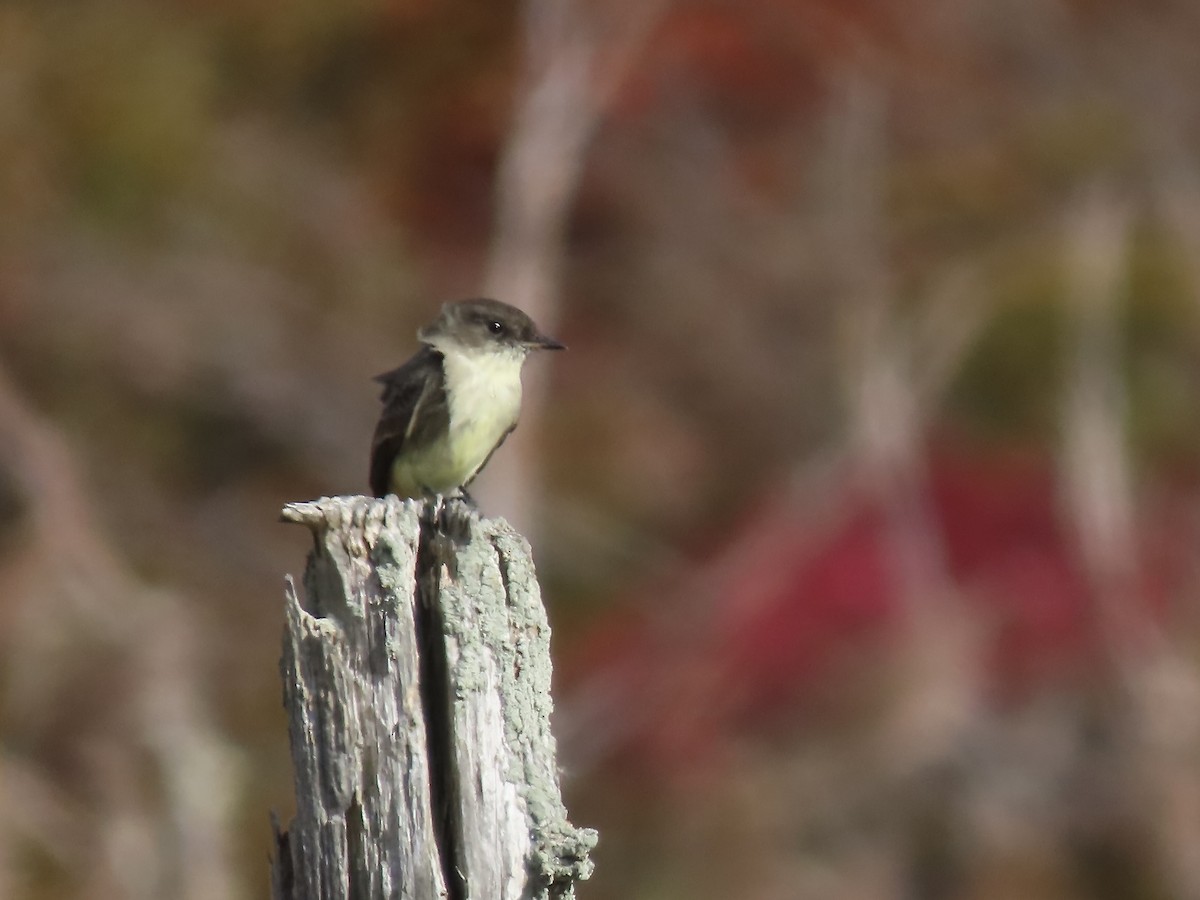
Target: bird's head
point(475, 325)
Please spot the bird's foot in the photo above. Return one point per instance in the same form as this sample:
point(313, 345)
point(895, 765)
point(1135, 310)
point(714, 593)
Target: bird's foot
point(451, 515)
point(457, 514)
point(461, 496)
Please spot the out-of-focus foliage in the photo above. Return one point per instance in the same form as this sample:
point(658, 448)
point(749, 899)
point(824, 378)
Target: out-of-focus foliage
point(867, 489)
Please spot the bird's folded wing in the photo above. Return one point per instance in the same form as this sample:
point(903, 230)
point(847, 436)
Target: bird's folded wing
point(415, 414)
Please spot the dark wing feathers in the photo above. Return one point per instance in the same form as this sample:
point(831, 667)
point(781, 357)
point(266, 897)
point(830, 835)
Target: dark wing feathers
point(415, 412)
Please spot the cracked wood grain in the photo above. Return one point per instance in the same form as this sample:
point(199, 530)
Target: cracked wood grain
point(416, 672)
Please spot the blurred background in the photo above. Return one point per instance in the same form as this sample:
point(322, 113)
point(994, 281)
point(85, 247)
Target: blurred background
point(866, 502)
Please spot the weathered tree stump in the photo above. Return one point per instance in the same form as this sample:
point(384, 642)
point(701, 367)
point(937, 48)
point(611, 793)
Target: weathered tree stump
point(416, 677)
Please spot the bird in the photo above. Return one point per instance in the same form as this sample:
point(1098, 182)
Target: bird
point(448, 408)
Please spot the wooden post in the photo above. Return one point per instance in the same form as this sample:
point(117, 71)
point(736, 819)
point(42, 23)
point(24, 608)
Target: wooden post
point(416, 676)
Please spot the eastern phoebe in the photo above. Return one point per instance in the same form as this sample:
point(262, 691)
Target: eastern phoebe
point(447, 409)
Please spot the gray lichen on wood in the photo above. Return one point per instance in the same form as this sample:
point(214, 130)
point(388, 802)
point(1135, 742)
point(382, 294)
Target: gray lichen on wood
point(417, 681)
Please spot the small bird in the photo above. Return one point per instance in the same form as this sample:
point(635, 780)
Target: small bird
point(447, 409)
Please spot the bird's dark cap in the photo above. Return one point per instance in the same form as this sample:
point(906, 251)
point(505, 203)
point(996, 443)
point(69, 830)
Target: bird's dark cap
point(480, 322)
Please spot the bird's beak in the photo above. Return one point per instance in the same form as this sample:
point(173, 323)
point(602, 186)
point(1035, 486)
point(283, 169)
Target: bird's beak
point(542, 342)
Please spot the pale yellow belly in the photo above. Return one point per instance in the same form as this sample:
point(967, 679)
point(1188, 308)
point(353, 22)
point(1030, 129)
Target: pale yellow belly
point(445, 465)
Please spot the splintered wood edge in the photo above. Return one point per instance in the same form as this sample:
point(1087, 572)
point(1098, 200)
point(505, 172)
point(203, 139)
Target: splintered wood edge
point(333, 512)
point(339, 510)
point(307, 512)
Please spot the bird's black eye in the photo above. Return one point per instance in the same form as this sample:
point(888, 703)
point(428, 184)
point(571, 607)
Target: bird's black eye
point(496, 327)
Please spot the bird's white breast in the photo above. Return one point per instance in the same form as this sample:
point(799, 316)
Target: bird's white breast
point(483, 390)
